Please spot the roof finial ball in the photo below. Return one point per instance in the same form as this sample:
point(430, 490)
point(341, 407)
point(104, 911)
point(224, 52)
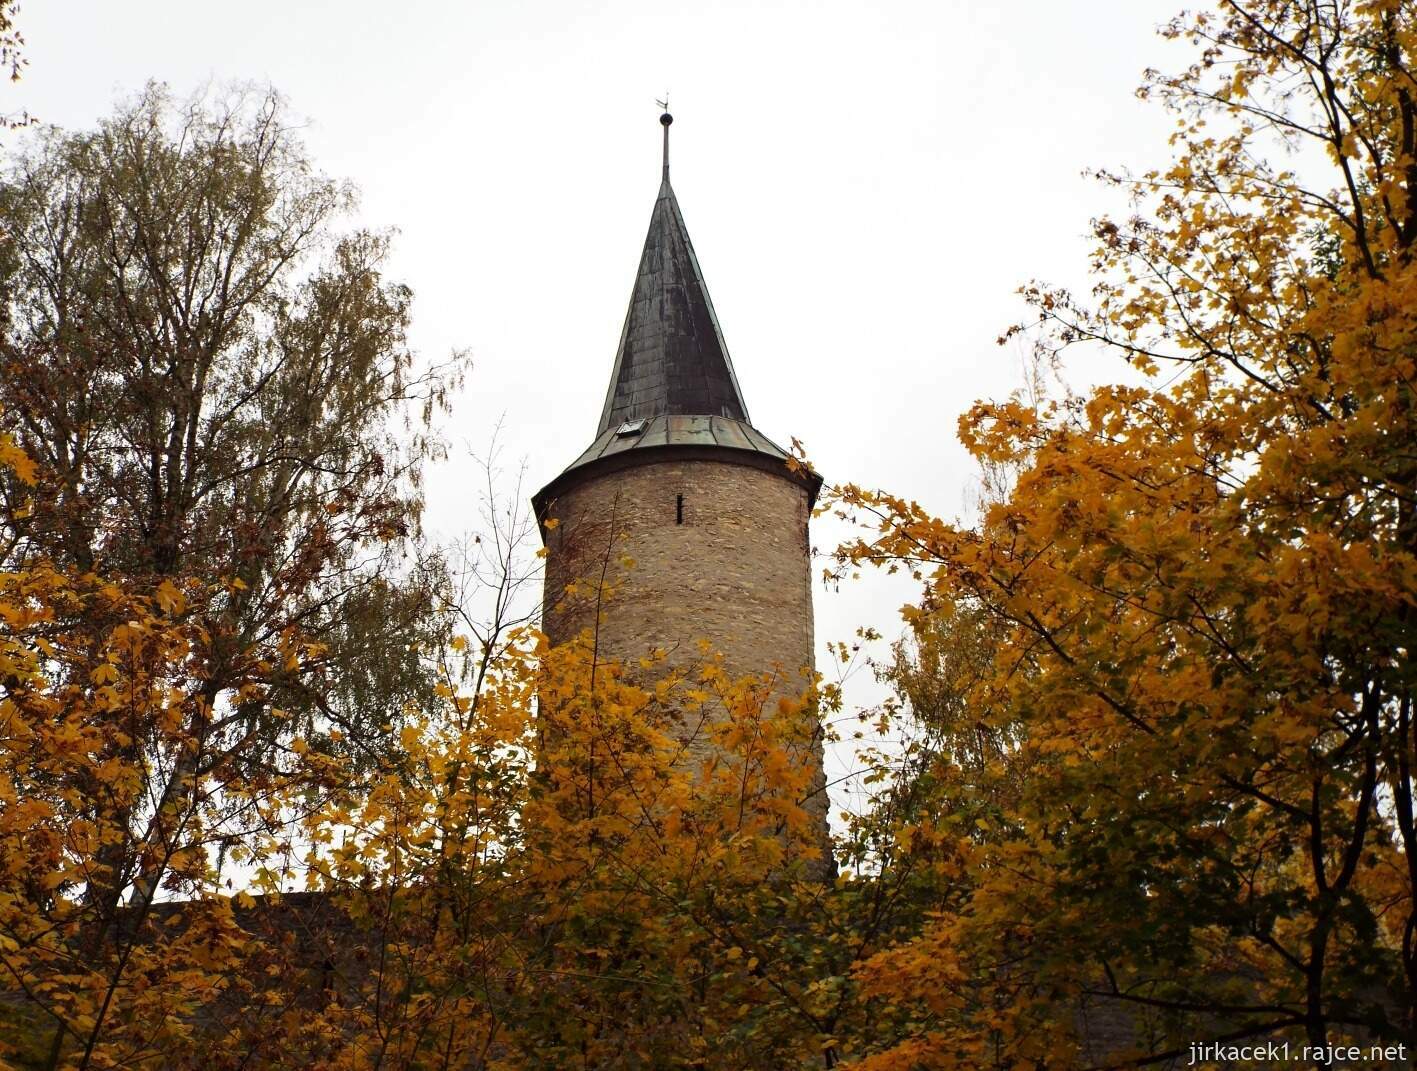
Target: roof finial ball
point(666, 119)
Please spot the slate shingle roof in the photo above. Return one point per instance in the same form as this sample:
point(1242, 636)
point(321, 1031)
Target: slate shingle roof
point(672, 389)
point(672, 359)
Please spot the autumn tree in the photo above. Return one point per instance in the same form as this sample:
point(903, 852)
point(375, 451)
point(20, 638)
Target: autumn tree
point(12, 57)
point(551, 873)
point(1201, 589)
point(88, 667)
point(207, 373)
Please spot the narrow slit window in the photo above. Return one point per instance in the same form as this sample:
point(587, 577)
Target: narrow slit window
point(679, 509)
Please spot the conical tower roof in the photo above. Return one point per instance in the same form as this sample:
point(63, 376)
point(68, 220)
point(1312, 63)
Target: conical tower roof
point(672, 390)
point(672, 360)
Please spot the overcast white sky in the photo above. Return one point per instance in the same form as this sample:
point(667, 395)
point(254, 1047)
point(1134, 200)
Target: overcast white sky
point(866, 186)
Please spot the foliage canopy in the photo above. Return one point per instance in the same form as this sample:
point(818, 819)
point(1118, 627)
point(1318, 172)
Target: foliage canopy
point(1202, 588)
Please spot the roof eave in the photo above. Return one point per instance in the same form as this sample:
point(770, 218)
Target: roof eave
point(788, 468)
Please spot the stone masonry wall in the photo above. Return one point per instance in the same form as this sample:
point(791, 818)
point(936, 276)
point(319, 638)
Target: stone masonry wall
point(735, 571)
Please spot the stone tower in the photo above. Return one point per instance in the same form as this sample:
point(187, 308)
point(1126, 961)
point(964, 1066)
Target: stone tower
point(679, 480)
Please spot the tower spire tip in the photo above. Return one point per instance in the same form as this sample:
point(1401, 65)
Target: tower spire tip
point(664, 121)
